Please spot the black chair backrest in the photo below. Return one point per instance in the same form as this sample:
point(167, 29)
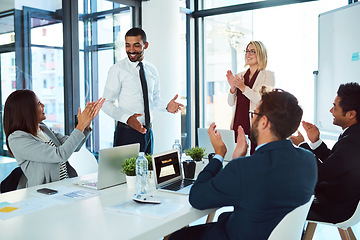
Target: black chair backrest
point(11, 182)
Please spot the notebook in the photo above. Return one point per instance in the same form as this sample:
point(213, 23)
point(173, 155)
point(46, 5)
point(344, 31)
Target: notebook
point(168, 173)
point(110, 166)
point(228, 136)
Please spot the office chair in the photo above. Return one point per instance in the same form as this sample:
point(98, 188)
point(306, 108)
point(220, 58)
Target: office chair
point(291, 226)
point(84, 162)
point(344, 228)
point(15, 180)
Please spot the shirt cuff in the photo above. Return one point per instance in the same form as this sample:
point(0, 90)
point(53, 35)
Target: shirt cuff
point(219, 157)
point(301, 143)
point(315, 144)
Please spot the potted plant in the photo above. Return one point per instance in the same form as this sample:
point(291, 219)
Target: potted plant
point(129, 168)
point(196, 153)
point(150, 167)
point(149, 159)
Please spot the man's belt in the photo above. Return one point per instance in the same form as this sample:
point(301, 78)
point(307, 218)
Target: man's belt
point(123, 125)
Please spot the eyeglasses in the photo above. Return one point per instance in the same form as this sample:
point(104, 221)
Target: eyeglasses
point(251, 52)
point(251, 114)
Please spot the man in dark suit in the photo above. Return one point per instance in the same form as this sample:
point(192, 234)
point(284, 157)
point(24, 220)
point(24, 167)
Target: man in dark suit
point(338, 189)
point(263, 187)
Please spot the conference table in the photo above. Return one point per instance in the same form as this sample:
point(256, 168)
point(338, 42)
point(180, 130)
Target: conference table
point(80, 213)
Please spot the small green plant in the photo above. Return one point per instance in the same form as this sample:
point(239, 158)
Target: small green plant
point(149, 159)
point(196, 153)
point(129, 166)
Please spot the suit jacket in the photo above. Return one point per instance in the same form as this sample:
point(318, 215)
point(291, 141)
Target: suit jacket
point(262, 188)
point(40, 161)
point(338, 188)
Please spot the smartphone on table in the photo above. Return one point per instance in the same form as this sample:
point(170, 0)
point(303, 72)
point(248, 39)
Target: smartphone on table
point(47, 191)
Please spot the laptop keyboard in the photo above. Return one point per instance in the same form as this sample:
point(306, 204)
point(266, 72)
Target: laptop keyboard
point(179, 185)
point(90, 183)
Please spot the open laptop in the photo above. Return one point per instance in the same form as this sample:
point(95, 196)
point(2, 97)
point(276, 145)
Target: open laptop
point(228, 136)
point(110, 166)
point(168, 173)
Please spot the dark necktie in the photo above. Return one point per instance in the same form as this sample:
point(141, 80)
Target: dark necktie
point(340, 136)
point(145, 95)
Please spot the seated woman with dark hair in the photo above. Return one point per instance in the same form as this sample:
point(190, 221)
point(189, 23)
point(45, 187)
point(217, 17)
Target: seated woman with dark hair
point(42, 153)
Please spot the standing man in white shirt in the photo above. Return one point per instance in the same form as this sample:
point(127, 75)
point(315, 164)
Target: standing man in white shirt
point(127, 80)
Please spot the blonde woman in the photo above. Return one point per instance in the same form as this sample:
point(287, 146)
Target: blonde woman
point(245, 86)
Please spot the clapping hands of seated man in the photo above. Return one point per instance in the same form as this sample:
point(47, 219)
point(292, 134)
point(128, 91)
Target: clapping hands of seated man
point(90, 112)
point(312, 133)
point(241, 144)
point(220, 147)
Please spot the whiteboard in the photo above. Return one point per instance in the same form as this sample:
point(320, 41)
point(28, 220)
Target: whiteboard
point(339, 47)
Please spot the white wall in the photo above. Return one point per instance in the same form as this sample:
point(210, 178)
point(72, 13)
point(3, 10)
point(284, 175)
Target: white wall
point(160, 27)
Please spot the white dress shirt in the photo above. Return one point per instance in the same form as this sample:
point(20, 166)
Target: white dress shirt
point(123, 92)
point(317, 144)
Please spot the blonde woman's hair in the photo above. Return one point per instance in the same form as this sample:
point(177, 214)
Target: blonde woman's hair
point(261, 54)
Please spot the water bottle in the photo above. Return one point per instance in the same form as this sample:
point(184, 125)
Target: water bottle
point(141, 174)
point(177, 145)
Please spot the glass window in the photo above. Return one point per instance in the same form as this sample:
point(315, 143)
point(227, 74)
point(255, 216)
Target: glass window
point(7, 34)
point(107, 124)
point(123, 22)
point(7, 78)
point(222, 3)
point(48, 84)
point(107, 24)
point(182, 3)
point(7, 38)
point(96, 59)
point(104, 5)
point(105, 29)
point(291, 41)
point(46, 32)
point(183, 94)
point(47, 69)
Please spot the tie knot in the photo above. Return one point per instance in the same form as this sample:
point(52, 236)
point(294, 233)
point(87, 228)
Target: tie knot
point(140, 64)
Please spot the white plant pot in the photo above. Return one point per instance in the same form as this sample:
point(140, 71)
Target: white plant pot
point(131, 181)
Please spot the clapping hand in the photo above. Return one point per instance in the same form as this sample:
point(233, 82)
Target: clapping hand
point(312, 131)
point(296, 140)
point(216, 141)
point(240, 82)
point(231, 80)
point(241, 144)
point(90, 112)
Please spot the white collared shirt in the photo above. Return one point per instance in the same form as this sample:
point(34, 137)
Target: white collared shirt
point(123, 92)
point(316, 144)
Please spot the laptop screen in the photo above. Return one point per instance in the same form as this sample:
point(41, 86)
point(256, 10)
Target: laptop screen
point(167, 166)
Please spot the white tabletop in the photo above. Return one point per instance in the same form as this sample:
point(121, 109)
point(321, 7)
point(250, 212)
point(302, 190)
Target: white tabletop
point(90, 218)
